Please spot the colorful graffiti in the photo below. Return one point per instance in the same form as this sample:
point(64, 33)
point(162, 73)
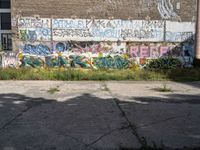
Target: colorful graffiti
point(44, 49)
point(40, 49)
point(73, 61)
point(34, 29)
point(31, 35)
point(116, 62)
point(150, 51)
point(103, 43)
point(156, 50)
point(106, 55)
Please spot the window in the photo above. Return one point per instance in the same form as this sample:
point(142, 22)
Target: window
point(5, 4)
point(6, 41)
point(5, 21)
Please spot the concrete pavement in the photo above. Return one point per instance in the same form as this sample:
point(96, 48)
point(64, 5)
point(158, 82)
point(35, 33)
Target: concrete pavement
point(56, 115)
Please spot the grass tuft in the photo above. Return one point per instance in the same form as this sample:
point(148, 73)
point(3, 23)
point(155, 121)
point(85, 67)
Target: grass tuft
point(53, 90)
point(164, 88)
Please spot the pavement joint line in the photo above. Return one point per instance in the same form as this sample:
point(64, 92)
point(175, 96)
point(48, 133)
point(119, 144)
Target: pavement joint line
point(132, 127)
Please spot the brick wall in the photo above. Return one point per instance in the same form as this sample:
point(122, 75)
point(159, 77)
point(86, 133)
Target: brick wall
point(133, 29)
point(123, 9)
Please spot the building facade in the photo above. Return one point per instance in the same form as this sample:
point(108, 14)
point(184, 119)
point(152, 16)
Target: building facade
point(5, 26)
point(101, 33)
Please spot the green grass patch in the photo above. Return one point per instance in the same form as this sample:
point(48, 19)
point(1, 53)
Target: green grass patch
point(62, 74)
point(53, 90)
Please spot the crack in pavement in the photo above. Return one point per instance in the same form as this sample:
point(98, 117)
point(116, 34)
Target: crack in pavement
point(29, 107)
point(160, 121)
point(106, 134)
point(26, 110)
point(67, 135)
point(15, 118)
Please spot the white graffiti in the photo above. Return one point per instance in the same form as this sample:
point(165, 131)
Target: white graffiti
point(107, 30)
point(179, 31)
point(103, 30)
point(166, 9)
point(9, 59)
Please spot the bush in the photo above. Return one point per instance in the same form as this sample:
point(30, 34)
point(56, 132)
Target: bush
point(163, 63)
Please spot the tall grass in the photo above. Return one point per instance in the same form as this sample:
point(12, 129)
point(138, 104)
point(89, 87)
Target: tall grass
point(82, 74)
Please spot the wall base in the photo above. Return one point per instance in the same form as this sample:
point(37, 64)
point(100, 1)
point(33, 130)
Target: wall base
point(197, 62)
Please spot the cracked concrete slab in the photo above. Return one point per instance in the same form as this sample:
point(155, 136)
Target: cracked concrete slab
point(98, 115)
point(171, 125)
point(126, 140)
point(27, 136)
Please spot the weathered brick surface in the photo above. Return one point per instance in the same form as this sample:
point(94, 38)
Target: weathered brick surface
point(123, 9)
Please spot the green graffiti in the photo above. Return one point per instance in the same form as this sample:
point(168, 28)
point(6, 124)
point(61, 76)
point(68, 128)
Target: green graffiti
point(111, 63)
point(73, 61)
point(77, 61)
point(29, 61)
point(163, 63)
point(23, 35)
point(56, 61)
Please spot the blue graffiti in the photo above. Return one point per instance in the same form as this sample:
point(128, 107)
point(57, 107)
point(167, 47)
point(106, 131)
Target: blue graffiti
point(45, 32)
point(60, 47)
point(32, 36)
point(108, 62)
point(39, 49)
point(56, 62)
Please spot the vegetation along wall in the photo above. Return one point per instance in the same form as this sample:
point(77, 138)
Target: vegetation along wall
point(104, 34)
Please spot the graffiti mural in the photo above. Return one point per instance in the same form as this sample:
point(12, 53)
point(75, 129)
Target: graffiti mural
point(166, 9)
point(163, 63)
point(9, 59)
point(35, 48)
point(34, 29)
point(184, 52)
point(179, 31)
point(117, 62)
point(31, 22)
point(149, 51)
point(109, 30)
point(103, 43)
point(73, 61)
point(90, 47)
